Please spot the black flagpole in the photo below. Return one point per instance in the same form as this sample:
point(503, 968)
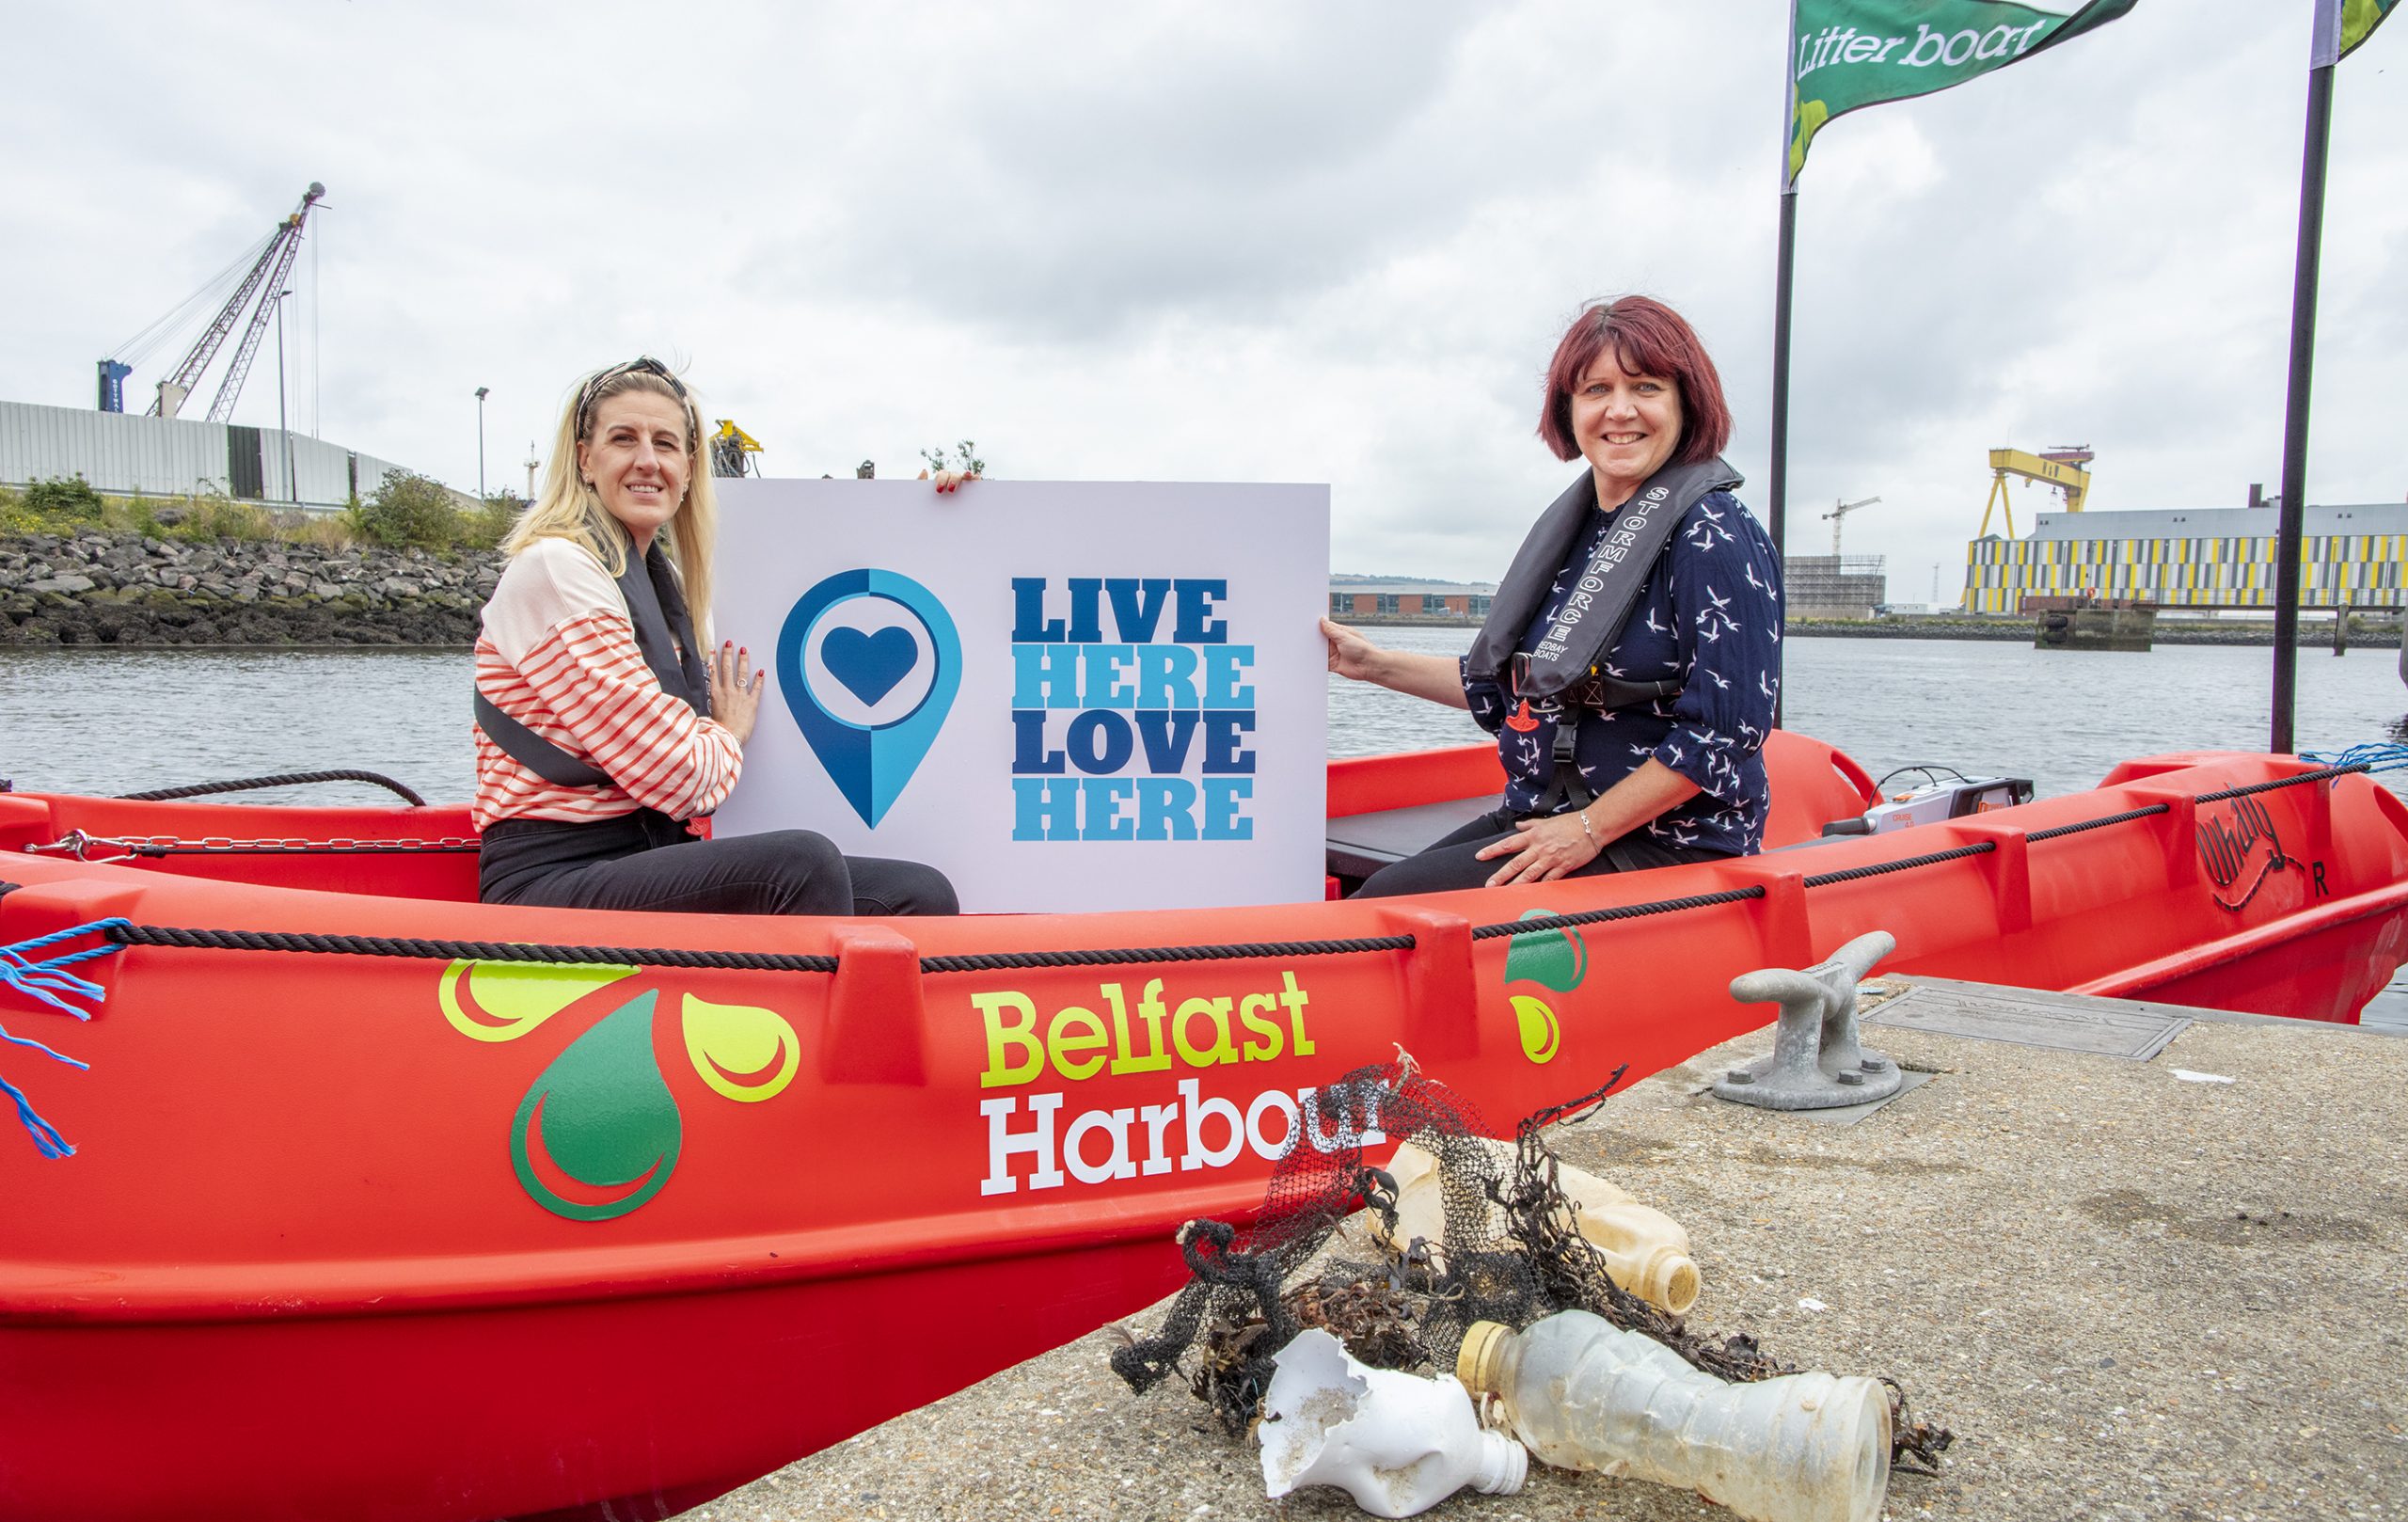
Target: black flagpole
point(2324, 53)
point(1777, 483)
point(1776, 479)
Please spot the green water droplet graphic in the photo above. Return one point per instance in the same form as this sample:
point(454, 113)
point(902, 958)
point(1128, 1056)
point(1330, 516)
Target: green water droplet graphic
point(603, 1114)
point(1558, 959)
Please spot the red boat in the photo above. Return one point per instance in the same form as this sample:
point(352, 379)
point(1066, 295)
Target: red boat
point(384, 1204)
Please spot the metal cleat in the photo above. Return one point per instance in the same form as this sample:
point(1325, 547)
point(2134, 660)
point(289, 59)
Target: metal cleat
point(1816, 1062)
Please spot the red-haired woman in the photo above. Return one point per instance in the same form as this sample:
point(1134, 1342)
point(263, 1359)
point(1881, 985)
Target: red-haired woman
point(1632, 655)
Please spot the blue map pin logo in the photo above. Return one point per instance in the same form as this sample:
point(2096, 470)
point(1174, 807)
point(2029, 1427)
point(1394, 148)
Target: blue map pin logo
point(869, 662)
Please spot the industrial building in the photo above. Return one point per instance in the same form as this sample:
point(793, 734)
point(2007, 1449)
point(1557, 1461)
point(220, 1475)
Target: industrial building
point(126, 455)
point(1457, 601)
point(1833, 586)
point(2219, 558)
point(166, 454)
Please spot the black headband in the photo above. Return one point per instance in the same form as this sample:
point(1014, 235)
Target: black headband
point(641, 365)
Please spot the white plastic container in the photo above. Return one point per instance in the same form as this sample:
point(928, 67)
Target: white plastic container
point(1584, 1394)
point(1645, 1251)
point(1399, 1445)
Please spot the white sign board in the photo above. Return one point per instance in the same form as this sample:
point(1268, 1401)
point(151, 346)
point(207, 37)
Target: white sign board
point(1067, 695)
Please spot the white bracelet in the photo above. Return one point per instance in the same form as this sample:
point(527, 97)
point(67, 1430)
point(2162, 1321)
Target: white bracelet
point(1586, 831)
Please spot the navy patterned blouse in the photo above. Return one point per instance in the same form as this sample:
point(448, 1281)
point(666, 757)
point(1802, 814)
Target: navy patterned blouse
point(1709, 616)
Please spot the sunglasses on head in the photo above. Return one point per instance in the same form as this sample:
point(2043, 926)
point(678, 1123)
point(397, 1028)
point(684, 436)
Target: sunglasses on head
point(641, 365)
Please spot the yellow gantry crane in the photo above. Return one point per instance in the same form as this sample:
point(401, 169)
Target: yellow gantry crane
point(729, 447)
point(2058, 468)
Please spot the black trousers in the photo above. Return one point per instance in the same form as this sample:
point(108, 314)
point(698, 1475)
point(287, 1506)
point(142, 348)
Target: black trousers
point(646, 860)
point(1455, 861)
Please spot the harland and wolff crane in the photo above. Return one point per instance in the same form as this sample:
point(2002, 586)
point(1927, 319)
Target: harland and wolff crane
point(2059, 468)
point(263, 283)
point(1838, 515)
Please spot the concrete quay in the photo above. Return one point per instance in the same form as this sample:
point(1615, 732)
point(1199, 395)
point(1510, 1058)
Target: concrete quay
point(2133, 1293)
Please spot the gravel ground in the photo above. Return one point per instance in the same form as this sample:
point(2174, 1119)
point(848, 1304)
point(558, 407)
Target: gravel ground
point(2131, 1295)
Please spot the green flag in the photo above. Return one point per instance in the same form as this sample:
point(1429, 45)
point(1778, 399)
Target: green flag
point(1848, 54)
point(2359, 18)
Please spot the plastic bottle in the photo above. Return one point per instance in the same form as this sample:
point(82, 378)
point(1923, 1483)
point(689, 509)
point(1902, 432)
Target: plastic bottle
point(1397, 1444)
point(1584, 1394)
point(1645, 1251)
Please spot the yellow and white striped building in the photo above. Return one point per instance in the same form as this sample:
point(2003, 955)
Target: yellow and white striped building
point(2200, 558)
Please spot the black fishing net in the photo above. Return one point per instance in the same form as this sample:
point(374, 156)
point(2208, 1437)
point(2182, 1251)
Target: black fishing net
point(1509, 1251)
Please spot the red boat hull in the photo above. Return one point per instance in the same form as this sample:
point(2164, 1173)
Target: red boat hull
point(431, 1237)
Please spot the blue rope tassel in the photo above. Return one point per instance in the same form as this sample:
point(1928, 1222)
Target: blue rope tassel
point(50, 982)
point(2375, 755)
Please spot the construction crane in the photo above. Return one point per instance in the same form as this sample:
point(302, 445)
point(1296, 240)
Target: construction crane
point(2060, 468)
point(1839, 515)
point(729, 447)
point(261, 287)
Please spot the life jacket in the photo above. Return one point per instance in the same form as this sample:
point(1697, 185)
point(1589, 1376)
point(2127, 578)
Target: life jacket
point(664, 635)
point(1566, 664)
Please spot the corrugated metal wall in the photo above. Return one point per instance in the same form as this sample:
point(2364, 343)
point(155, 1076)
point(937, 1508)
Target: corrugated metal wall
point(124, 455)
point(2362, 570)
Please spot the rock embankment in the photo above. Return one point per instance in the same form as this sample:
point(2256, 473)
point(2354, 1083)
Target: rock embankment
point(97, 588)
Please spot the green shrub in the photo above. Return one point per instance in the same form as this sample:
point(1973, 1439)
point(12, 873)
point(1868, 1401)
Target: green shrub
point(483, 527)
point(66, 499)
point(408, 509)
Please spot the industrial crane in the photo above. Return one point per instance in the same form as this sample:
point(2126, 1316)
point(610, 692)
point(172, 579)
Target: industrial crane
point(729, 447)
point(264, 281)
point(1838, 515)
point(2060, 468)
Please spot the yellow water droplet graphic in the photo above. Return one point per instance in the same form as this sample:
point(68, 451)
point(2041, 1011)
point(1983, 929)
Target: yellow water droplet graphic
point(1541, 1037)
point(747, 1054)
point(501, 1001)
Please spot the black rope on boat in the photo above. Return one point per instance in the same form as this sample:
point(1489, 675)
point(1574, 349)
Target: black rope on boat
point(2057, 831)
point(997, 962)
point(378, 946)
point(364, 945)
point(281, 779)
point(1620, 911)
point(2320, 774)
point(1856, 874)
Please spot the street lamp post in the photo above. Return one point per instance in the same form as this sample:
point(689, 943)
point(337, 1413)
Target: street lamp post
point(481, 443)
point(292, 486)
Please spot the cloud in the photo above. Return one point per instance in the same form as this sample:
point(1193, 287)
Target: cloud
point(1236, 241)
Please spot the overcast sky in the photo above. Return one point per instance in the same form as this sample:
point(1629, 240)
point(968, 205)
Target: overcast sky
point(1230, 241)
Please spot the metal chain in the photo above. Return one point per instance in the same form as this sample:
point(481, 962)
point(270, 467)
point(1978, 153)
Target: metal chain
point(85, 848)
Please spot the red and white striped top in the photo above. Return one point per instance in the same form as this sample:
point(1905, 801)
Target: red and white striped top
point(558, 653)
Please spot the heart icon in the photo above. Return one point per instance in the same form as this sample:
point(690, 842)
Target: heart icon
point(869, 665)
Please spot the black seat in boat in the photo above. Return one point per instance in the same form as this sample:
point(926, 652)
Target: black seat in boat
point(1361, 844)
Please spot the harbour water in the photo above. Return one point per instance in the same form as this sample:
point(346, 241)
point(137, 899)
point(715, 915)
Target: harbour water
point(118, 721)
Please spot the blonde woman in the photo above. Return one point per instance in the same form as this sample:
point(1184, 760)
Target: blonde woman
point(606, 725)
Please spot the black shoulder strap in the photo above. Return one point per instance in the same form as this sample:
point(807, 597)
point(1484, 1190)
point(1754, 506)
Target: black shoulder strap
point(665, 636)
point(664, 632)
point(532, 750)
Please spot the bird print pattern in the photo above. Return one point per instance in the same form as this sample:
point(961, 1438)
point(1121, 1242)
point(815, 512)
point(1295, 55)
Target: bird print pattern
point(1708, 616)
